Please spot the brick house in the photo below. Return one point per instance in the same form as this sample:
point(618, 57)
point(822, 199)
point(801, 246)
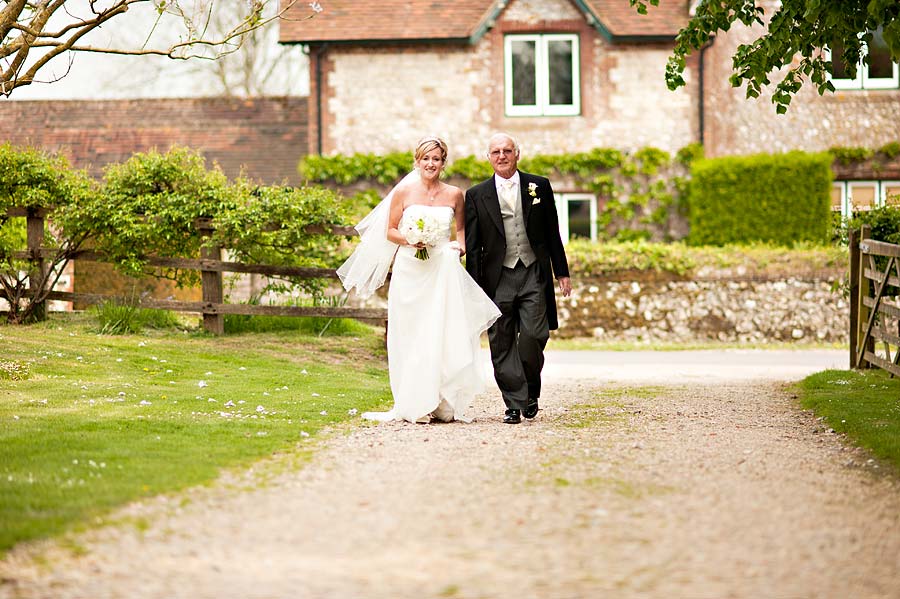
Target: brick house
point(562, 76)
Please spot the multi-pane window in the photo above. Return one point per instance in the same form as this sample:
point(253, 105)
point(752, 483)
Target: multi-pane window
point(541, 75)
point(880, 72)
point(577, 216)
point(849, 197)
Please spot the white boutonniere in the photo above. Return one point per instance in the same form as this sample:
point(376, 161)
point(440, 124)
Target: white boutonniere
point(532, 189)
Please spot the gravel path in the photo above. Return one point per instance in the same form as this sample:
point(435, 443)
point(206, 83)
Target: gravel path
point(725, 490)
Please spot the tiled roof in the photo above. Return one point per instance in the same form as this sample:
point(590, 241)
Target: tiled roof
point(620, 19)
point(388, 20)
point(413, 20)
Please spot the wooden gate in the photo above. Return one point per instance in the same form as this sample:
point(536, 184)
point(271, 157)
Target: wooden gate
point(874, 305)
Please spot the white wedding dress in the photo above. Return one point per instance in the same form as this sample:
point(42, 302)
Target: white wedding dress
point(436, 315)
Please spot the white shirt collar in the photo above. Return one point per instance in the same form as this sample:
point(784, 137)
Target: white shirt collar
point(498, 180)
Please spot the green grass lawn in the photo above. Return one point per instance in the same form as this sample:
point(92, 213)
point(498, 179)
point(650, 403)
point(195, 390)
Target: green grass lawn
point(863, 404)
point(89, 422)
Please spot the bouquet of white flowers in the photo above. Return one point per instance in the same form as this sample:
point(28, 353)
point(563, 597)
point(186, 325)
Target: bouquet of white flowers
point(424, 229)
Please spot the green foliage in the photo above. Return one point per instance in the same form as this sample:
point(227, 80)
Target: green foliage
point(849, 155)
point(124, 317)
point(592, 259)
point(891, 150)
point(884, 221)
point(860, 404)
point(654, 200)
point(31, 178)
point(471, 168)
point(580, 164)
point(587, 259)
point(347, 169)
point(150, 205)
point(796, 27)
point(275, 225)
point(689, 153)
point(778, 198)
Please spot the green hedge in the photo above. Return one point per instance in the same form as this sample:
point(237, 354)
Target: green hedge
point(774, 198)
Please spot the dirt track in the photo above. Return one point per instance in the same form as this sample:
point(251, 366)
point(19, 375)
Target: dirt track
point(727, 490)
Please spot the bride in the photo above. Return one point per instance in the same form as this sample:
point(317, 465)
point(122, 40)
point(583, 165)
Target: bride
point(436, 311)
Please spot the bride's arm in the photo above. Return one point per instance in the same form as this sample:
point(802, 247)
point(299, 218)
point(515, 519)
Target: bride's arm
point(393, 232)
point(460, 215)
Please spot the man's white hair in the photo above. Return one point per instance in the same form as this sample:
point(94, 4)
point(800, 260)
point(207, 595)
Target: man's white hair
point(502, 135)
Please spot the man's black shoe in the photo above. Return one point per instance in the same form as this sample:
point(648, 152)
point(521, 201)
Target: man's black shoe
point(532, 409)
point(512, 417)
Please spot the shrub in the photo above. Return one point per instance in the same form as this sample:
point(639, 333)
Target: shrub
point(776, 198)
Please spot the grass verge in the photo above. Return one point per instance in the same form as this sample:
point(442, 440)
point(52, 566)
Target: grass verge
point(863, 404)
point(96, 421)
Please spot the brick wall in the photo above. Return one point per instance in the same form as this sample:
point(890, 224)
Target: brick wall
point(378, 99)
point(265, 136)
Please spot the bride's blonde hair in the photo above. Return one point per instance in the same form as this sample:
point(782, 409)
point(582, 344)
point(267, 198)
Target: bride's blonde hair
point(429, 143)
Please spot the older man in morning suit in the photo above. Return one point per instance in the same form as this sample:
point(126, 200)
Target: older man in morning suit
point(513, 251)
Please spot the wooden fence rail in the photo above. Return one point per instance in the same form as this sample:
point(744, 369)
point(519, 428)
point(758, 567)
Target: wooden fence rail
point(874, 305)
point(212, 306)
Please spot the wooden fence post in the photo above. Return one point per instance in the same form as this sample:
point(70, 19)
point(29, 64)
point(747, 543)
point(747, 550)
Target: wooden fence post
point(854, 294)
point(37, 275)
point(211, 280)
point(862, 314)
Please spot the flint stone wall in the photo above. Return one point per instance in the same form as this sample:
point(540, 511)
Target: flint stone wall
point(801, 309)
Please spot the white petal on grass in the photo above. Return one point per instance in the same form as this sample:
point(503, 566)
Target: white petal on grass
point(208, 373)
point(304, 434)
point(202, 384)
point(316, 395)
point(242, 368)
point(141, 344)
point(352, 411)
point(118, 359)
point(323, 413)
point(15, 417)
point(229, 404)
point(260, 409)
point(303, 371)
point(146, 403)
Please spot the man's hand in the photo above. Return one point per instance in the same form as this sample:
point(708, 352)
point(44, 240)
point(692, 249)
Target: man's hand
point(565, 285)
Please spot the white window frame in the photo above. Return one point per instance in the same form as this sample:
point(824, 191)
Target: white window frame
point(542, 76)
point(862, 80)
point(846, 188)
point(870, 184)
point(562, 209)
point(845, 197)
point(882, 190)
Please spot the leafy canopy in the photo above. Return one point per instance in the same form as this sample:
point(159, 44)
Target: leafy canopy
point(797, 28)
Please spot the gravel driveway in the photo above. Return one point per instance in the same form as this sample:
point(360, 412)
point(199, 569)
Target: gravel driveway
point(616, 490)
